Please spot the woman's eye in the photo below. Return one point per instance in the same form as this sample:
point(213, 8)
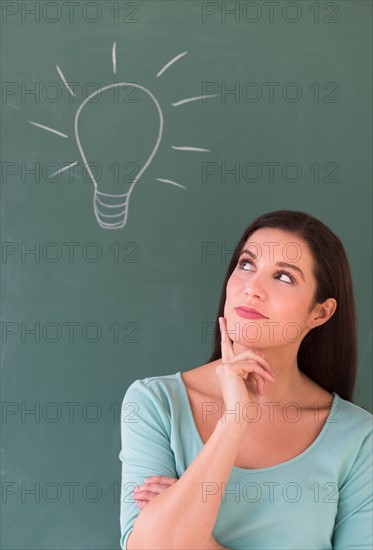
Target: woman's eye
point(278, 275)
point(286, 275)
point(244, 262)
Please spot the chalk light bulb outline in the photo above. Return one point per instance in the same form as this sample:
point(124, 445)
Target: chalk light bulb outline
point(98, 196)
point(104, 199)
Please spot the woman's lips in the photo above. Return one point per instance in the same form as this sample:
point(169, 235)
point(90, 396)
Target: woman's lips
point(248, 314)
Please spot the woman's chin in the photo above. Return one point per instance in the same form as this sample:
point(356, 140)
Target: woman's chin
point(242, 345)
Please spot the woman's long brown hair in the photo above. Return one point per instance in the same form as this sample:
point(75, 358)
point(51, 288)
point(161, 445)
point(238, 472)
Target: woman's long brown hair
point(328, 353)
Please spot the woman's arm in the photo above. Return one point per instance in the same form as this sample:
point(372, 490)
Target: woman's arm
point(155, 485)
point(353, 524)
point(183, 516)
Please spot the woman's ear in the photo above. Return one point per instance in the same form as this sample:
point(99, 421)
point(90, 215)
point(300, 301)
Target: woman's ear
point(323, 312)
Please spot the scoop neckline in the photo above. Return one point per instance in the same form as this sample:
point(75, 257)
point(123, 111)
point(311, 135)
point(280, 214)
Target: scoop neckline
point(268, 468)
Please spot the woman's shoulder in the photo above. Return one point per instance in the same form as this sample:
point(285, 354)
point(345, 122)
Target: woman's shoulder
point(160, 392)
point(355, 413)
point(154, 383)
point(349, 415)
point(166, 390)
point(349, 428)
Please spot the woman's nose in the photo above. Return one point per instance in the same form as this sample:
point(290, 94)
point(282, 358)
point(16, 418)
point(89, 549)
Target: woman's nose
point(255, 287)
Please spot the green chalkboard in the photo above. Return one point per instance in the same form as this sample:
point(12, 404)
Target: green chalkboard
point(139, 139)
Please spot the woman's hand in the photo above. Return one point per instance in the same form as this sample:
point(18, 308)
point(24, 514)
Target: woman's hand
point(154, 486)
point(238, 373)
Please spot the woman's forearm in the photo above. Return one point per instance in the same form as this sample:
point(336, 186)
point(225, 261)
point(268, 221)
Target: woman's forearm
point(183, 516)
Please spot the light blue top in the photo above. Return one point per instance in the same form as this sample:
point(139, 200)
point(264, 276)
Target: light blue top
point(321, 499)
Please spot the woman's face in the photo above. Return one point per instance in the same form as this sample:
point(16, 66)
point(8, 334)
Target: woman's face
point(282, 293)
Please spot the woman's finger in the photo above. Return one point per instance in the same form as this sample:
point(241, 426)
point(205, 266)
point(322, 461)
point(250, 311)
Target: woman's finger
point(153, 489)
point(260, 384)
point(249, 354)
point(147, 491)
point(146, 495)
point(227, 353)
point(142, 497)
point(249, 367)
point(141, 503)
point(160, 479)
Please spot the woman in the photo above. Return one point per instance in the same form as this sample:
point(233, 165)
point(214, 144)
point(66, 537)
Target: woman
point(261, 447)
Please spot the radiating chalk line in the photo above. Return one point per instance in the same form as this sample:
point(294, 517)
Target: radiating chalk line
point(64, 80)
point(63, 169)
point(182, 101)
point(171, 182)
point(47, 128)
point(171, 63)
point(114, 56)
point(198, 149)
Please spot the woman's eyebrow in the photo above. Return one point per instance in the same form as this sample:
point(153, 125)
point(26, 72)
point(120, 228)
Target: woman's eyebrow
point(279, 264)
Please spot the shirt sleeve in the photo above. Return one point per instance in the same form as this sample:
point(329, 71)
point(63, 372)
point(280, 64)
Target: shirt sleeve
point(353, 528)
point(145, 449)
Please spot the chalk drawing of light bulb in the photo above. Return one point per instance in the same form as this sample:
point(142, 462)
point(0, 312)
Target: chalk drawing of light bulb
point(95, 118)
point(111, 209)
